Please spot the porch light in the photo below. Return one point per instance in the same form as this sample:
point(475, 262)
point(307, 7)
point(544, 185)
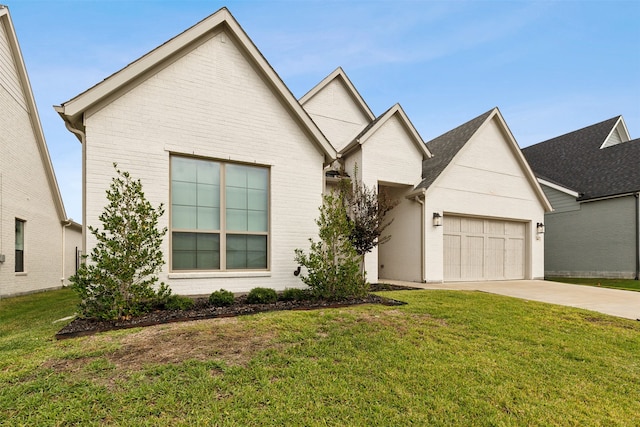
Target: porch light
point(437, 219)
point(540, 228)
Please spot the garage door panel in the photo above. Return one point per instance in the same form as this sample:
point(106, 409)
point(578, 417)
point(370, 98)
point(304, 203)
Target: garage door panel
point(452, 247)
point(483, 249)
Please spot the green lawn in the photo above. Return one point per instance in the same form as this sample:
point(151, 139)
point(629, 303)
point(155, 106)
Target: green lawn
point(625, 284)
point(446, 358)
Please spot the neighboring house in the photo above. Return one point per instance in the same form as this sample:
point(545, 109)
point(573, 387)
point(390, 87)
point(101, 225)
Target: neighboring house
point(592, 178)
point(215, 135)
point(37, 241)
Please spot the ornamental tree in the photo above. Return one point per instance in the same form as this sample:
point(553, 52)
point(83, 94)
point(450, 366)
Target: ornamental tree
point(120, 279)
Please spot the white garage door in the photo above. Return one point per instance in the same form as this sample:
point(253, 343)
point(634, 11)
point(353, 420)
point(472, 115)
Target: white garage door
point(483, 249)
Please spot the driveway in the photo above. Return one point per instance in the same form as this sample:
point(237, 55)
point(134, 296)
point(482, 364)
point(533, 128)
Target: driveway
point(608, 301)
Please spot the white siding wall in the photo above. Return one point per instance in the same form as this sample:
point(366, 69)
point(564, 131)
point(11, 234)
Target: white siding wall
point(484, 180)
point(337, 114)
point(72, 241)
point(24, 192)
point(212, 103)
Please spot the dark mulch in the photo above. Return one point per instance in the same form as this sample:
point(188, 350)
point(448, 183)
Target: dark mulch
point(202, 310)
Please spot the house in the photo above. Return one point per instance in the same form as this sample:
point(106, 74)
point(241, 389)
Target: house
point(473, 180)
point(37, 240)
point(592, 178)
point(214, 134)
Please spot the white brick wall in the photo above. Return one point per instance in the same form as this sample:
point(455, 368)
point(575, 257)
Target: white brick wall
point(25, 194)
point(336, 113)
point(212, 103)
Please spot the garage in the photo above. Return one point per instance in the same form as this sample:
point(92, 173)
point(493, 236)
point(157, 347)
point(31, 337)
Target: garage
point(483, 249)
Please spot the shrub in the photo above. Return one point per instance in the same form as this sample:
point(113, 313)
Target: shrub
point(120, 280)
point(178, 302)
point(295, 294)
point(333, 264)
point(262, 296)
point(221, 298)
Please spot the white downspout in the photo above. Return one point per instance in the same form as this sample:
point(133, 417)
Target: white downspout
point(83, 141)
point(423, 247)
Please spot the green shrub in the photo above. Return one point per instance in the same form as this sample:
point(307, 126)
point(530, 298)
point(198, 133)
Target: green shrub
point(221, 298)
point(333, 265)
point(262, 296)
point(295, 294)
point(178, 302)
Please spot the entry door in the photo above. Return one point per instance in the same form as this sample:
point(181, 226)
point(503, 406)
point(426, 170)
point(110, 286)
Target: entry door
point(483, 249)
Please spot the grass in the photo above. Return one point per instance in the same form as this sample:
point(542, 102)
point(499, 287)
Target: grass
point(625, 284)
point(446, 358)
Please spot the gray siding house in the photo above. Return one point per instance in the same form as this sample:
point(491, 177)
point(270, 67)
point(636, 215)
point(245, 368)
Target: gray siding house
point(592, 179)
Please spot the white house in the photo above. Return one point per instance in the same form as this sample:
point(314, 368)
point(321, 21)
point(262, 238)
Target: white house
point(474, 180)
point(37, 240)
point(213, 133)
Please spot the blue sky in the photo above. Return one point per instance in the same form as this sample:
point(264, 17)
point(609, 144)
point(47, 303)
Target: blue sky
point(550, 66)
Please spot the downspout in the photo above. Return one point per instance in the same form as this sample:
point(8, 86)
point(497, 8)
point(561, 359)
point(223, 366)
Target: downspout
point(637, 196)
point(83, 141)
point(422, 238)
point(65, 224)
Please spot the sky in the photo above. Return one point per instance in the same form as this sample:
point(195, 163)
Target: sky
point(550, 66)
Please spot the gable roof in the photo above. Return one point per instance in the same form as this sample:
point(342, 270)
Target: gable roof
point(72, 111)
point(376, 124)
point(21, 70)
point(446, 147)
point(585, 160)
point(339, 74)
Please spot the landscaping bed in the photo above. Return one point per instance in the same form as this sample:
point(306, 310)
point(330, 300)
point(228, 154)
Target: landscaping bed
point(202, 309)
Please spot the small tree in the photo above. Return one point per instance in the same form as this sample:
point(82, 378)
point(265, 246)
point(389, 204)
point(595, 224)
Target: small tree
point(121, 277)
point(333, 265)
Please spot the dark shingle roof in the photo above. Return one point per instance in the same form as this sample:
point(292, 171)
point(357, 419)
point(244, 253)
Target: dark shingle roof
point(576, 161)
point(446, 146)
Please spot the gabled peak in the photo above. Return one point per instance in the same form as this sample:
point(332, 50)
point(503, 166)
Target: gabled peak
point(340, 76)
point(618, 134)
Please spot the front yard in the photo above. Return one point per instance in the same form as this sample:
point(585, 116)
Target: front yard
point(624, 284)
point(446, 358)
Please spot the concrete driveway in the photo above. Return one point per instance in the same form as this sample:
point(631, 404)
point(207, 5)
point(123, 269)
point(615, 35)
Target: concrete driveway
point(608, 301)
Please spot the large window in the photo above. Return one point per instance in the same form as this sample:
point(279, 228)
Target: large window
point(219, 215)
point(19, 246)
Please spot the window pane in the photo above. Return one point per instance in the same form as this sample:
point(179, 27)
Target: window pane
point(19, 249)
point(257, 178)
point(208, 172)
point(183, 193)
point(236, 198)
point(182, 169)
point(257, 221)
point(208, 219)
point(246, 251)
point(236, 175)
point(236, 220)
point(184, 217)
point(208, 195)
point(257, 200)
point(196, 251)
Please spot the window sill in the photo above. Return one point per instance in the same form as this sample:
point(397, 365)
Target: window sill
point(218, 274)
point(21, 273)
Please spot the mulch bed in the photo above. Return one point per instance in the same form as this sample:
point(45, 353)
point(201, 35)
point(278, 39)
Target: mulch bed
point(202, 310)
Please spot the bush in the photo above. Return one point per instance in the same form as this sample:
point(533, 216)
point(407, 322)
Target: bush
point(262, 296)
point(178, 302)
point(333, 264)
point(120, 279)
point(295, 294)
point(221, 298)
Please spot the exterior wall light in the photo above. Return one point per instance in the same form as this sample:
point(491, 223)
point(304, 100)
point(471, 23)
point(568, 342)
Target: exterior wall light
point(437, 219)
point(540, 228)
